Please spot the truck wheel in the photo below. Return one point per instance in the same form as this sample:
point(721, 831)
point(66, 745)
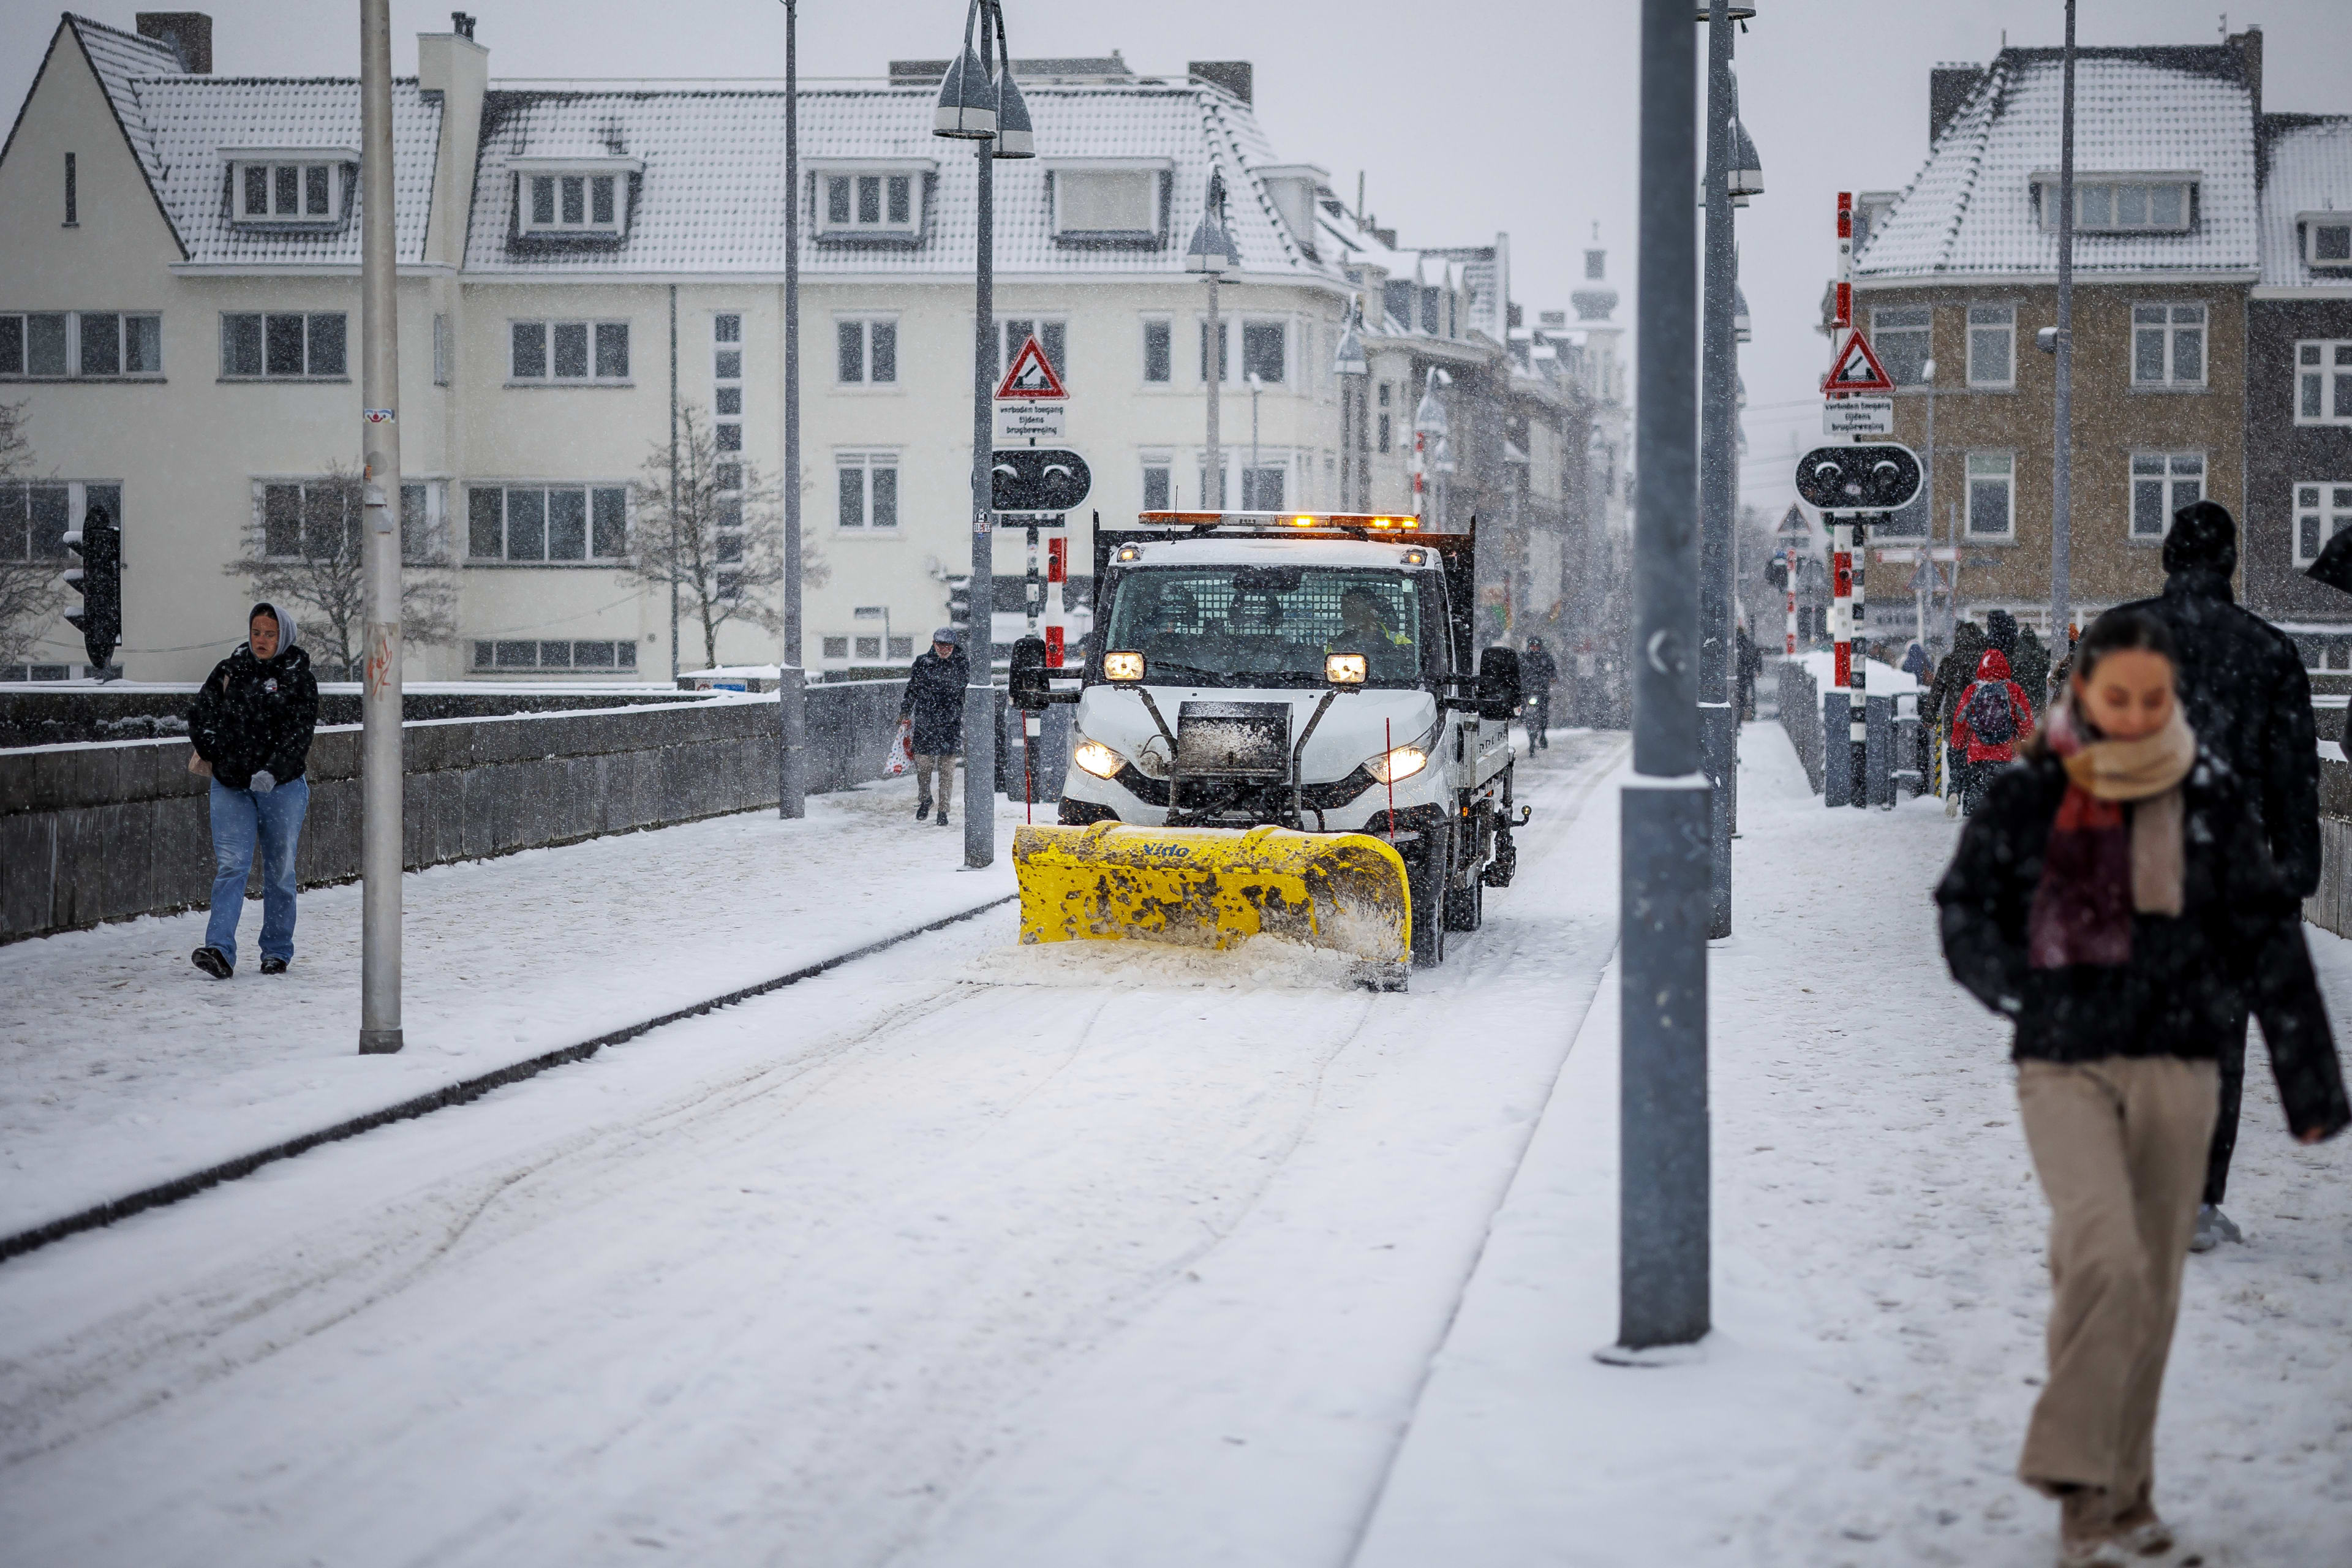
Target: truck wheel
point(1426, 879)
point(1465, 908)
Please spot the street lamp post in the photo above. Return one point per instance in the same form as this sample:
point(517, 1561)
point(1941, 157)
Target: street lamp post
point(1252, 489)
point(1429, 431)
point(1349, 361)
point(2061, 456)
point(791, 691)
point(1212, 254)
point(379, 754)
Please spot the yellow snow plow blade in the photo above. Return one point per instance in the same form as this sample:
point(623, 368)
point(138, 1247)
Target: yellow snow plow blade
point(1212, 887)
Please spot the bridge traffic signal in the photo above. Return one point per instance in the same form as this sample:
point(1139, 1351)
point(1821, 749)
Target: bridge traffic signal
point(99, 580)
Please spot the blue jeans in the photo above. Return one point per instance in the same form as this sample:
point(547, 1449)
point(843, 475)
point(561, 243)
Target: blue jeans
point(239, 818)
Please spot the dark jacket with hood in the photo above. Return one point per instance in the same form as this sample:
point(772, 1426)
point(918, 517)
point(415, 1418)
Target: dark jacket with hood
point(1538, 672)
point(254, 714)
point(2242, 687)
point(1955, 671)
point(2238, 936)
point(934, 699)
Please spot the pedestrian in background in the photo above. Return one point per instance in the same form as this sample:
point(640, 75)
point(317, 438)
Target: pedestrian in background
point(2031, 664)
point(2115, 898)
point(1749, 665)
point(1954, 674)
point(1538, 672)
point(1992, 717)
point(251, 726)
point(2243, 689)
point(934, 702)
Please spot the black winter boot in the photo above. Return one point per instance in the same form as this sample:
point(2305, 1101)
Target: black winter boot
point(213, 961)
point(273, 966)
point(922, 808)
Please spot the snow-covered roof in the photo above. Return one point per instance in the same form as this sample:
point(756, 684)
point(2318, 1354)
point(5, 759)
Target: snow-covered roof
point(2307, 168)
point(1970, 209)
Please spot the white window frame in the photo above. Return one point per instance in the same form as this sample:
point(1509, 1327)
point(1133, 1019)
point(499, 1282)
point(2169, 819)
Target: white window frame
point(1971, 474)
point(590, 559)
point(1166, 327)
point(1987, 321)
point(1249, 478)
point(2175, 478)
point(548, 326)
point(608, 177)
point(851, 222)
point(1153, 171)
point(2323, 381)
point(1049, 327)
point(1260, 323)
point(2311, 223)
point(15, 346)
point(2326, 506)
point(865, 461)
point(1163, 462)
point(18, 492)
point(865, 322)
point(1884, 325)
point(485, 660)
point(2181, 317)
point(307, 373)
point(339, 167)
point(2102, 201)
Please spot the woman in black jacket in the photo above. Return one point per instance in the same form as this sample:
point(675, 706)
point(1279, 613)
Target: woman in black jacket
point(251, 725)
point(2115, 898)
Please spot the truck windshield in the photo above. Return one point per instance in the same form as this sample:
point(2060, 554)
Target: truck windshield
point(1266, 626)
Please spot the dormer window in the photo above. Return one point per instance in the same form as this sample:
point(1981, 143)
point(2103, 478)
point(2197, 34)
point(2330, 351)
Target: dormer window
point(2327, 240)
point(308, 187)
point(870, 201)
point(573, 199)
point(2129, 204)
point(1114, 201)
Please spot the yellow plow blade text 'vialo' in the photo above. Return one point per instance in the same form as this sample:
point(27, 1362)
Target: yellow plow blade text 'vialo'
point(1214, 886)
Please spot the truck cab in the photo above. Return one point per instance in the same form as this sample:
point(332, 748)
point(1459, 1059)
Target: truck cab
point(1309, 671)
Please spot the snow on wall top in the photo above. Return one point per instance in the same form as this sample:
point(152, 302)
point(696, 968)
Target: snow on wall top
point(711, 198)
point(1970, 210)
point(2309, 169)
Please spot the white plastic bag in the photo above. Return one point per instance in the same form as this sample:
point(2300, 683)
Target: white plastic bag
point(902, 759)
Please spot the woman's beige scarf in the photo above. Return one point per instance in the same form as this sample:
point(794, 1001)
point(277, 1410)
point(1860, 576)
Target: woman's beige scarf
point(2147, 774)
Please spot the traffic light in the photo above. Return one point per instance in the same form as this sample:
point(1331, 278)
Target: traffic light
point(99, 580)
point(959, 601)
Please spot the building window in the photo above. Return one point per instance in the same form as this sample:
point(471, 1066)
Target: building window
point(1051, 336)
point(1159, 350)
point(1224, 354)
point(2161, 484)
point(1263, 353)
point(1902, 335)
point(559, 204)
point(836, 648)
point(592, 655)
point(886, 201)
point(2326, 239)
point(569, 352)
point(558, 525)
point(868, 489)
point(1262, 488)
point(2167, 345)
point(866, 350)
point(2322, 508)
point(2123, 206)
point(1159, 482)
point(1385, 442)
point(1108, 202)
point(290, 346)
point(309, 194)
point(1993, 346)
point(59, 343)
point(73, 195)
point(1992, 495)
point(34, 518)
point(2323, 379)
point(441, 350)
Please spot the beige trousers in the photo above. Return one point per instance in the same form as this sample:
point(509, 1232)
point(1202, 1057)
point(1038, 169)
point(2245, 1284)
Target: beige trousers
point(935, 779)
point(2119, 1144)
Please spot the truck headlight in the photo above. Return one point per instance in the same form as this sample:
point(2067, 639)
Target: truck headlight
point(1392, 767)
point(1098, 759)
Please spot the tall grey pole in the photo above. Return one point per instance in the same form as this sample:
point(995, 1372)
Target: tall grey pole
point(1663, 1268)
point(2062, 454)
point(1213, 473)
point(980, 695)
point(380, 758)
point(1718, 727)
point(673, 484)
point(791, 691)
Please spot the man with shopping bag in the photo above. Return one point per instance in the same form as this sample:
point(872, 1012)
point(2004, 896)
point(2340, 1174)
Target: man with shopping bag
point(931, 712)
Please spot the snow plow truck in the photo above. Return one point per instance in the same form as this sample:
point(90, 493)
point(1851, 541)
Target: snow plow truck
point(1279, 730)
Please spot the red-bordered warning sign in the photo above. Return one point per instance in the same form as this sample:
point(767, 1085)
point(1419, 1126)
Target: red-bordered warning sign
point(1856, 370)
point(1031, 374)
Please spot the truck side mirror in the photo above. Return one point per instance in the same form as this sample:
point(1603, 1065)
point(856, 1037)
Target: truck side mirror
point(1029, 689)
point(1498, 683)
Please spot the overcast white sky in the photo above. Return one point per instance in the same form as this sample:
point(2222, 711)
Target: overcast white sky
point(1468, 118)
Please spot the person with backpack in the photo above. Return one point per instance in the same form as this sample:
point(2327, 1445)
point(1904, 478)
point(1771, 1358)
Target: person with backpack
point(1993, 716)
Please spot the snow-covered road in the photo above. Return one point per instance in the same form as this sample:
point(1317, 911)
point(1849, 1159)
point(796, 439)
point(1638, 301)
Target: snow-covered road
point(950, 1256)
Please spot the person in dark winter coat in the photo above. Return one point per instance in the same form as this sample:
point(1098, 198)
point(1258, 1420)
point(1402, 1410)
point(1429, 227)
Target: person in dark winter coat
point(1955, 672)
point(933, 703)
point(2245, 693)
point(1748, 663)
point(1538, 673)
point(251, 726)
point(2031, 664)
point(1989, 719)
point(2115, 900)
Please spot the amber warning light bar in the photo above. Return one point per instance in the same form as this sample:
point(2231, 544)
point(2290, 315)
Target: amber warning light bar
point(1347, 519)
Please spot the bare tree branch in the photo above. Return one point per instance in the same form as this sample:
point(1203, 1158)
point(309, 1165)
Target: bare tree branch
point(31, 591)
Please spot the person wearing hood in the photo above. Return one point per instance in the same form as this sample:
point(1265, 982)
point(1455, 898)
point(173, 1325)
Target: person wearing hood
point(933, 702)
point(2030, 662)
point(1954, 673)
point(2115, 900)
point(1992, 717)
point(2244, 689)
point(1538, 673)
point(251, 726)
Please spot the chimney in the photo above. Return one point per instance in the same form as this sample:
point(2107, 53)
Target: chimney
point(1948, 87)
point(457, 68)
point(1234, 76)
point(190, 34)
point(2249, 47)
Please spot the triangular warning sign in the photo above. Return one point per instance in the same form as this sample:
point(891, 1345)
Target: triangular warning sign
point(1030, 376)
point(1857, 369)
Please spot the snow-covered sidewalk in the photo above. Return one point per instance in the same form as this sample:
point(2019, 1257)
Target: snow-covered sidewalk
point(121, 1066)
point(1879, 1287)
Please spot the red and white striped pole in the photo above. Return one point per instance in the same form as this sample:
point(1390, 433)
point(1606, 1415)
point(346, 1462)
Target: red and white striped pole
point(1791, 553)
point(1849, 547)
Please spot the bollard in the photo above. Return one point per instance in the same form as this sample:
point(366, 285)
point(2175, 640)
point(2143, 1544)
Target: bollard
point(1910, 782)
point(1878, 765)
point(1837, 778)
